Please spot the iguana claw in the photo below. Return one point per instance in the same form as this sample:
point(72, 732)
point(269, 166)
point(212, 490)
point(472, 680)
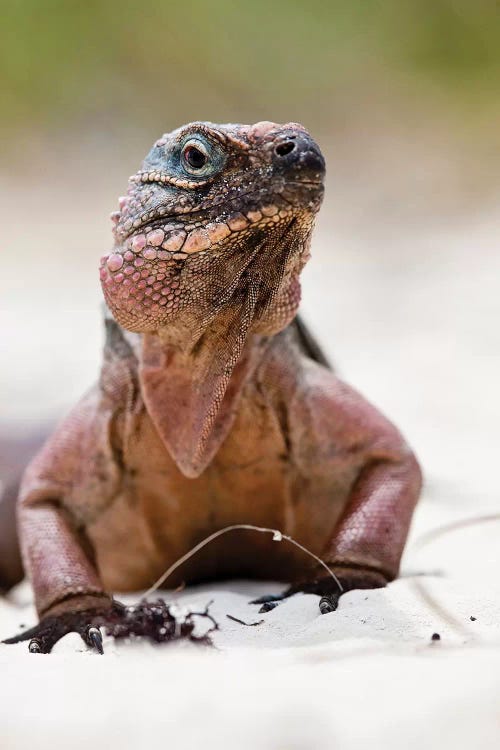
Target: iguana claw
point(94, 638)
point(268, 606)
point(268, 601)
point(329, 603)
point(268, 598)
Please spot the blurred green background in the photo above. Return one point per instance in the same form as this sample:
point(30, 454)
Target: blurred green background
point(403, 97)
point(124, 65)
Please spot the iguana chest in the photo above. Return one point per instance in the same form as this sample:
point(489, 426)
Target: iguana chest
point(158, 514)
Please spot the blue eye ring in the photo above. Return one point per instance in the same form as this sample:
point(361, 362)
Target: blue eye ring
point(195, 156)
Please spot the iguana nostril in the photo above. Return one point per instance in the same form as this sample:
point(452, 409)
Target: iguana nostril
point(284, 148)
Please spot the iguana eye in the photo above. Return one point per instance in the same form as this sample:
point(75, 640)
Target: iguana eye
point(194, 156)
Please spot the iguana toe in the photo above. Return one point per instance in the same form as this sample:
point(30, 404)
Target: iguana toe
point(93, 637)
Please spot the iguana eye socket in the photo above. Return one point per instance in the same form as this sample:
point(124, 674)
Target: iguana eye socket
point(194, 155)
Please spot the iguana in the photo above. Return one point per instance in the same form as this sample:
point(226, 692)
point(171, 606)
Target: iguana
point(214, 406)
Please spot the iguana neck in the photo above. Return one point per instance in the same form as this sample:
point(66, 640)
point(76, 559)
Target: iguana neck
point(191, 386)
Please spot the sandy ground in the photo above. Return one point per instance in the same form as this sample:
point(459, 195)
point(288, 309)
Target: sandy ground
point(404, 294)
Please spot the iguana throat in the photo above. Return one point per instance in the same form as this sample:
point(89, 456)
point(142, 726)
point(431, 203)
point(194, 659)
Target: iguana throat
point(193, 377)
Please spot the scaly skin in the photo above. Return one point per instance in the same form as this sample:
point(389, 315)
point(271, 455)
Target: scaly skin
point(213, 406)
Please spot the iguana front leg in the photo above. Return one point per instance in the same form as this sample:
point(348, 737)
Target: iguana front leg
point(366, 549)
point(367, 543)
point(68, 592)
point(58, 492)
point(72, 479)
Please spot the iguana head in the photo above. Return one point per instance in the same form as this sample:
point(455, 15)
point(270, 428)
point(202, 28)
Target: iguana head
point(215, 213)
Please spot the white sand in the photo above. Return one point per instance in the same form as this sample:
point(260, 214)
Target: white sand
point(365, 676)
point(408, 306)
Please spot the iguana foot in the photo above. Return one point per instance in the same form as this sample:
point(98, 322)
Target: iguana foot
point(327, 588)
point(156, 621)
point(43, 637)
point(327, 603)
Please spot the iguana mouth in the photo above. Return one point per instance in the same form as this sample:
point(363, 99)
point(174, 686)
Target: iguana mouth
point(254, 202)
